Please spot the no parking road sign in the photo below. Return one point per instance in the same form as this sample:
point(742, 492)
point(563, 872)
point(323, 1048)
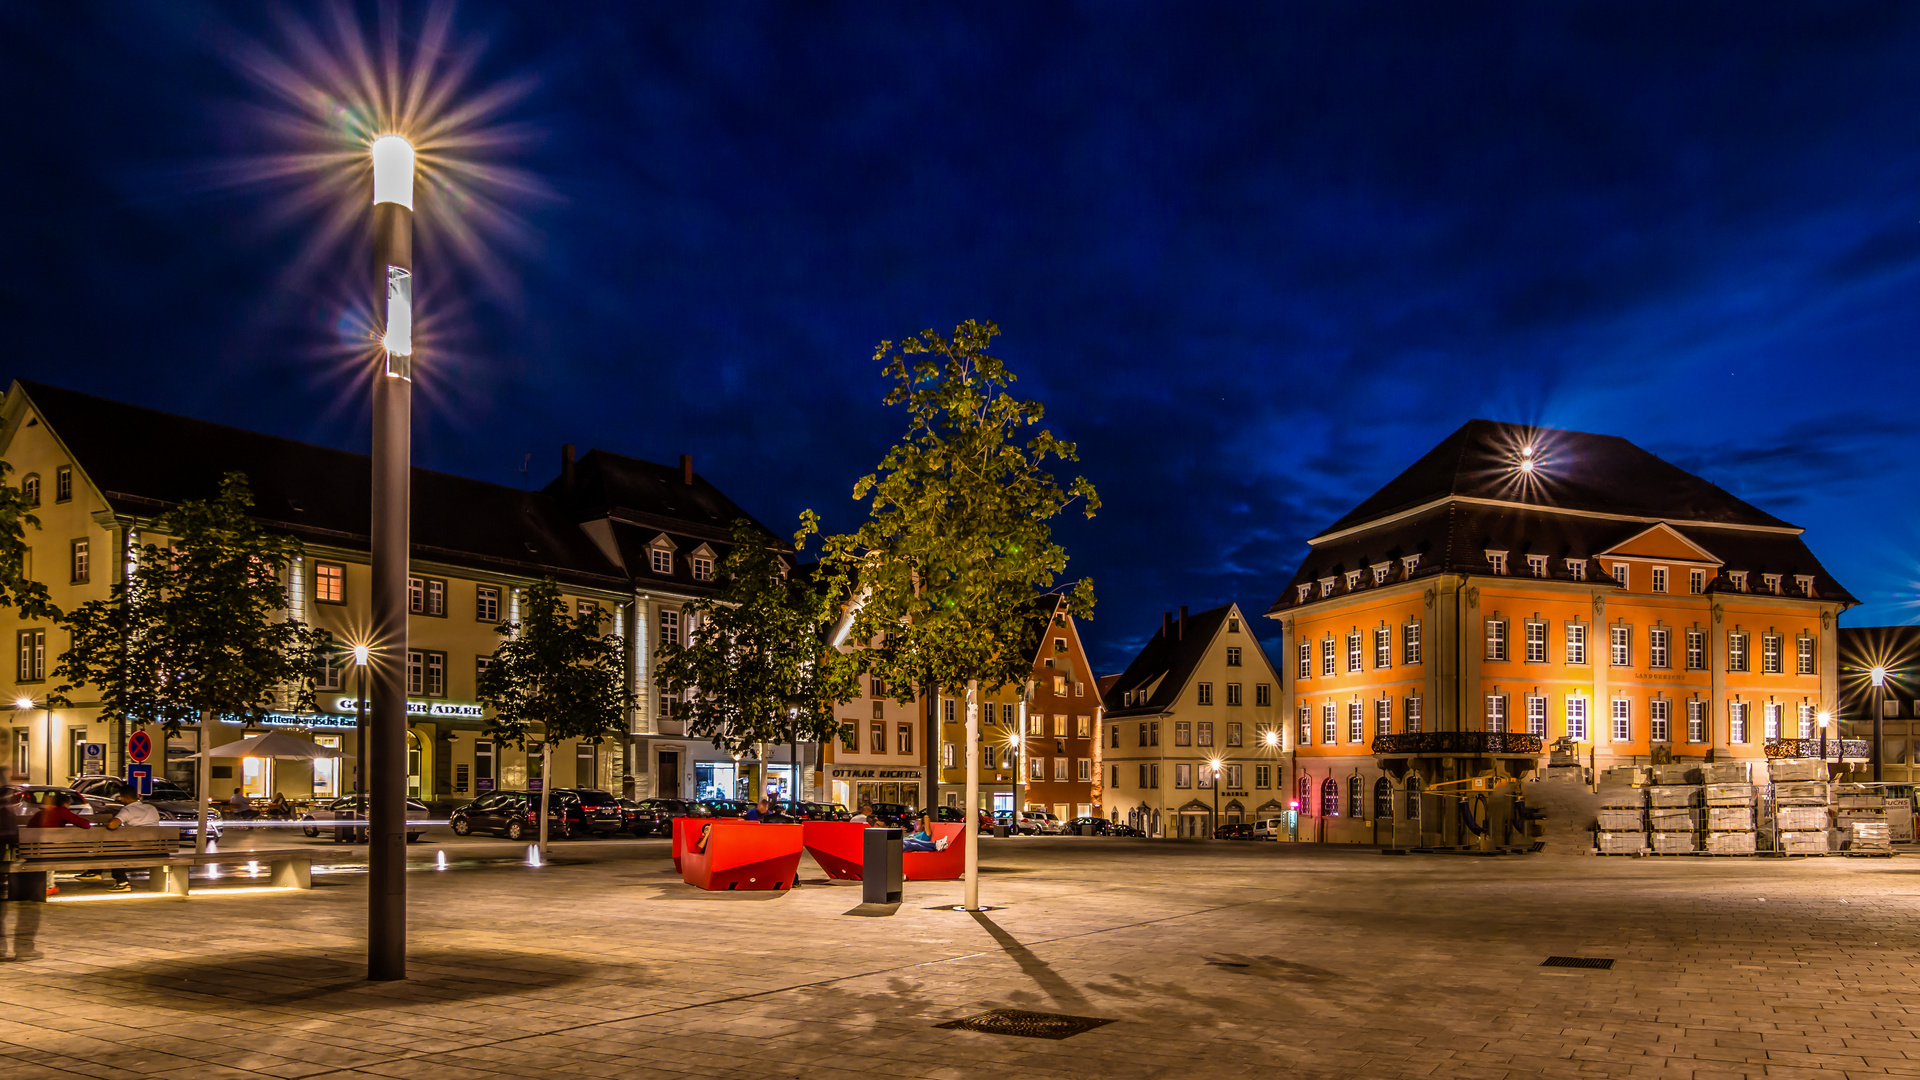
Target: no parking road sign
point(139, 745)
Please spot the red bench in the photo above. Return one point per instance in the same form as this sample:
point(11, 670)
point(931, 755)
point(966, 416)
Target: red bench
point(727, 855)
point(837, 847)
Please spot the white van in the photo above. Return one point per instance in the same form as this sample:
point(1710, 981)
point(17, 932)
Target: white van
point(1272, 828)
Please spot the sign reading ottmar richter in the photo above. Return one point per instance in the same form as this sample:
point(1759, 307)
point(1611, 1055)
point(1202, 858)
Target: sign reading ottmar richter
point(423, 708)
point(850, 773)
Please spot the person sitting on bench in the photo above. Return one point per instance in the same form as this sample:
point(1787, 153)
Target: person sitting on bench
point(55, 815)
point(920, 840)
point(132, 812)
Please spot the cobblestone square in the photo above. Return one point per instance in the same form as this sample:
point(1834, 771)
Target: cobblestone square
point(1211, 959)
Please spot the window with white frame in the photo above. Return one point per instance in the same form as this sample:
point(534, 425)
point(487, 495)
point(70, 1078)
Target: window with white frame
point(1737, 721)
point(1085, 768)
point(1233, 656)
point(1536, 715)
point(1262, 776)
point(1411, 707)
point(1620, 573)
point(1803, 655)
point(1771, 582)
point(1233, 693)
point(1306, 725)
point(1496, 639)
point(702, 568)
point(669, 627)
point(1806, 720)
point(1409, 564)
point(1497, 560)
point(1356, 722)
point(1203, 731)
point(1382, 648)
point(1620, 639)
point(1622, 720)
point(1380, 572)
point(1183, 733)
point(1658, 652)
point(1328, 733)
point(1326, 586)
point(1738, 579)
point(1203, 693)
point(1770, 654)
point(1770, 719)
point(1658, 720)
point(1537, 565)
point(1696, 650)
point(1659, 583)
point(1577, 717)
point(1696, 581)
point(1306, 591)
point(1496, 713)
point(1804, 583)
point(1737, 651)
point(663, 560)
point(1577, 569)
point(1353, 651)
point(1576, 643)
point(1327, 655)
point(1353, 580)
point(1306, 659)
point(1410, 643)
point(1696, 721)
point(1383, 715)
point(1536, 631)
point(1262, 695)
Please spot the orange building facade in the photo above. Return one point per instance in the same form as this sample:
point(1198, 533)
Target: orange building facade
point(1520, 590)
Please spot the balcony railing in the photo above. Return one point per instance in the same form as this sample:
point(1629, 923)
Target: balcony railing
point(1457, 742)
point(1837, 749)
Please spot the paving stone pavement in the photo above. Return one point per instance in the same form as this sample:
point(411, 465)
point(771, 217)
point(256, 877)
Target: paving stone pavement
point(1216, 960)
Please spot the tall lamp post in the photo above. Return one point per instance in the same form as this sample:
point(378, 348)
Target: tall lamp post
point(1824, 718)
point(26, 703)
point(360, 722)
point(392, 468)
point(1879, 675)
point(1214, 764)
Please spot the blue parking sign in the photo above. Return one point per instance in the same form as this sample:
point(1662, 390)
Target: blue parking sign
point(140, 775)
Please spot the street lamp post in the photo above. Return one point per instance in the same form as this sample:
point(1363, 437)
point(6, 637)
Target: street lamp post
point(392, 473)
point(360, 722)
point(1824, 717)
point(1214, 764)
point(1879, 675)
point(26, 703)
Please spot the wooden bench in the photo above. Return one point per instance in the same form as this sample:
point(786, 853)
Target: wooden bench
point(146, 847)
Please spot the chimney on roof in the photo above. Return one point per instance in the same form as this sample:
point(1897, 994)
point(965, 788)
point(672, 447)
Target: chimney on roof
point(686, 469)
point(1183, 622)
point(1166, 625)
point(566, 473)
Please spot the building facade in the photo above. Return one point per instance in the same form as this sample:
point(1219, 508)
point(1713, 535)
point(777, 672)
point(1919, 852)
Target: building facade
point(1893, 654)
point(1192, 729)
point(1522, 588)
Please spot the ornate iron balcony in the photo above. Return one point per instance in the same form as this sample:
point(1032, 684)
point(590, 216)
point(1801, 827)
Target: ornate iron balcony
point(1457, 742)
point(1837, 749)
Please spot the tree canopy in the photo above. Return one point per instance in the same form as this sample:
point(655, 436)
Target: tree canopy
point(759, 670)
point(556, 673)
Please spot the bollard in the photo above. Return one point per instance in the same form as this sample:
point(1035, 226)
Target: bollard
point(880, 866)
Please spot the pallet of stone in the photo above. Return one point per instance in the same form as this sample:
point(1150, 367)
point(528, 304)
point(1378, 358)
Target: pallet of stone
point(1622, 843)
point(1859, 796)
point(1674, 775)
point(1736, 842)
point(1675, 843)
point(1868, 838)
point(1845, 819)
point(1809, 842)
point(1801, 818)
point(1900, 821)
point(1728, 772)
point(1729, 818)
point(1674, 795)
point(1673, 819)
point(1615, 819)
point(1729, 794)
point(1800, 793)
point(1623, 776)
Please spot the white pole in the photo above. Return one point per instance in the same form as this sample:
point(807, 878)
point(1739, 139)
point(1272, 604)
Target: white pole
point(546, 790)
point(204, 773)
point(971, 808)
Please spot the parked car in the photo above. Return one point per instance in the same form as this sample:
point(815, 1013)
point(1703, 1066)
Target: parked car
point(516, 815)
point(1038, 823)
point(26, 800)
point(891, 813)
point(1078, 826)
point(1234, 830)
point(1121, 828)
point(172, 801)
point(732, 808)
point(654, 817)
point(982, 819)
point(354, 808)
point(599, 810)
point(1272, 828)
point(819, 811)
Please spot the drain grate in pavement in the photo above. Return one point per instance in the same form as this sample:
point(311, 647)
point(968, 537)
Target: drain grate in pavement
point(1601, 962)
point(1031, 1025)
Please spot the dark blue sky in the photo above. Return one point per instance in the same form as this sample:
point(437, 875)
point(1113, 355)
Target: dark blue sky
point(1255, 258)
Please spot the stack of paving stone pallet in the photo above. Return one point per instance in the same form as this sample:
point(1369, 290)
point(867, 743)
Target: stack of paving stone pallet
point(1800, 801)
point(1730, 805)
point(1622, 815)
point(1674, 810)
point(1860, 820)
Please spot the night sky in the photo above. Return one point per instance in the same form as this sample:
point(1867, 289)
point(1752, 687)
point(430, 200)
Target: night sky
point(1255, 258)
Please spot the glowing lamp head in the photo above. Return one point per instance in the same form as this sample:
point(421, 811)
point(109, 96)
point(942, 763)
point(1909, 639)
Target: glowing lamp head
point(1825, 718)
point(1526, 465)
point(23, 703)
point(393, 171)
point(1879, 675)
point(360, 655)
point(1273, 738)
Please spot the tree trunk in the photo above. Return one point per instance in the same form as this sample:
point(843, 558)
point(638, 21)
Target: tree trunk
point(204, 779)
point(969, 808)
point(930, 752)
point(546, 794)
point(793, 774)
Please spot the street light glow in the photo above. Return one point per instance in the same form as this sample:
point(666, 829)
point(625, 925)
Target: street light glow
point(1824, 718)
point(1273, 738)
point(1879, 675)
point(360, 655)
point(23, 703)
point(393, 171)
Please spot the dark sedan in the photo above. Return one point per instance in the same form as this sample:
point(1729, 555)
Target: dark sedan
point(516, 816)
point(732, 808)
point(654, 817)
point(1234, 830)
point(599, 811)
point(1079, 826)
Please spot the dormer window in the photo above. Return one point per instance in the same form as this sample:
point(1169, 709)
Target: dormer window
point(1353, 580)
point(1772, 582)
point(1577, 569)
point(1804, 582)
point(701, 562)
point(1537, 565)
point(1498, 561)
point(1305, 591)
point(1620, 573)
point(1738, 579)
point(660, 554)
point(1380, 572)
point(1233, 627)
point(1326, 586)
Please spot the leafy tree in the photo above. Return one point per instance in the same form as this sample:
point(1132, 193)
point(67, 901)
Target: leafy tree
point(16, 589)
point(959, 532)
point(554, 677)
point(759, 670)
point(199, 629)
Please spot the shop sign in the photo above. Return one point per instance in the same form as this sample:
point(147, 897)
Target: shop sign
point(423, 708)
point(300, 720)
point(874, 774)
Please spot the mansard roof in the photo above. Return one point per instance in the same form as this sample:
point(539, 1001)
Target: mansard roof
point(1165, 663)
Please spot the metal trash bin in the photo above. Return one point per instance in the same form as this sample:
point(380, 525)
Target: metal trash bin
point(881, 867)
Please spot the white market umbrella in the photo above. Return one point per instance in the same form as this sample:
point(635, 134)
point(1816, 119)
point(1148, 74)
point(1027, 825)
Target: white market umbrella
point(270, 744)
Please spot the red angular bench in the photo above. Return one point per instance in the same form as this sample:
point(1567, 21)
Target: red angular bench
point(726, 855)
point(837, 847)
